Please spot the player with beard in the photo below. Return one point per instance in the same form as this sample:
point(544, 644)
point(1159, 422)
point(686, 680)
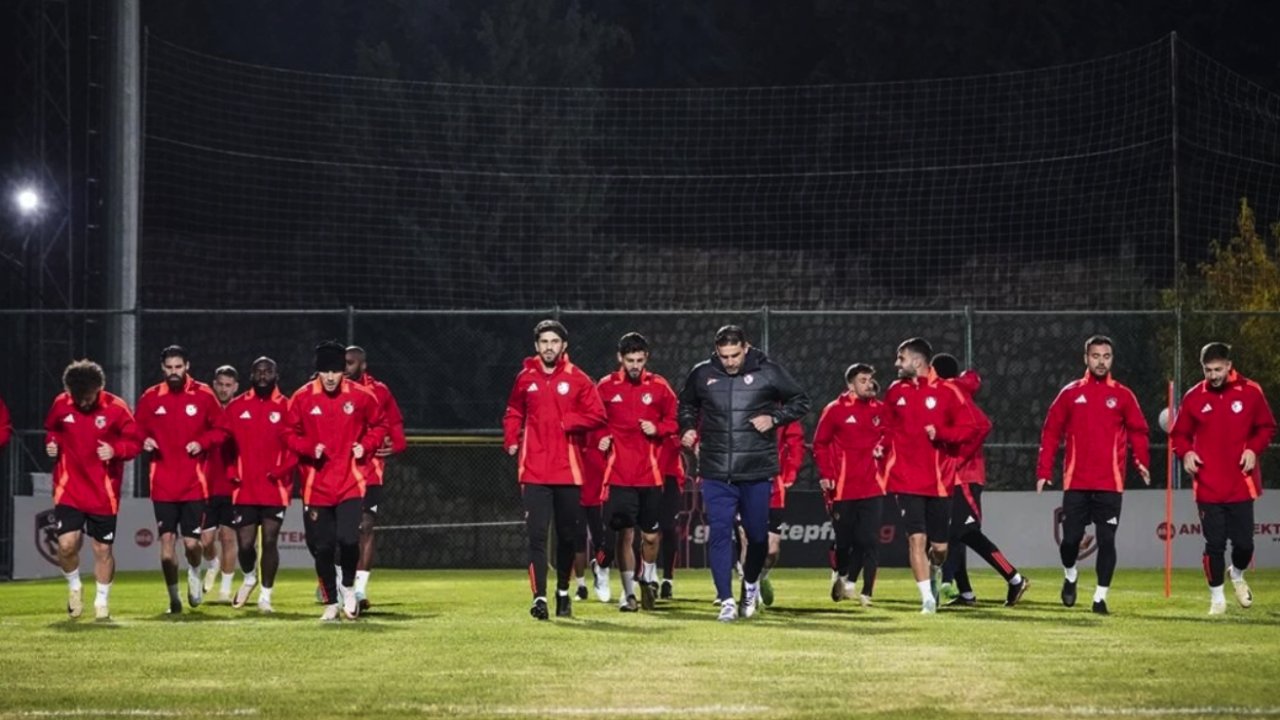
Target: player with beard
point(261, 469)
point(90, 433)
point(552, 406)
point(1101, 421)
point(219, 529)
point(334, 426)
point(641, 411)
point(357, 369)
point(177, 419)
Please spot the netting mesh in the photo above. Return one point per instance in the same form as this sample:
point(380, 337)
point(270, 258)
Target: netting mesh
point(1051, 188)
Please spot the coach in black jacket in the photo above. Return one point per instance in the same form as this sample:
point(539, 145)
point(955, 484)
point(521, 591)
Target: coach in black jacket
point(730, 406)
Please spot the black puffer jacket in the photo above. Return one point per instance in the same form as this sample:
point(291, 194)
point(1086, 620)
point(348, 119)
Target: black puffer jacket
point(720, 407)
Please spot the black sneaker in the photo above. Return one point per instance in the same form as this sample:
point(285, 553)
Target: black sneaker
point(648, 595)
point(1016, 592)
point(1100, 607)
point(962, 601)
point(564, 605)
point(667, 591)
point(539, 609)
point(175, 607)
point(629, 605)
point(582, 592)
point(1068, 593)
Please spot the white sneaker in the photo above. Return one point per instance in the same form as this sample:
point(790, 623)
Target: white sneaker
point(264, 606)
point(224, 596)
point(728, 610)
point(195, 589)
point(750, 599)
point(75, 604)
point(1243, 594)
point(864, 600)
point(350, 605)
point(242, 595)
point(929, 607)
point(210, 576)
point(101, 612)
point(330, 613)
point(603, 593)
point(850, 590)
point(1217, 607)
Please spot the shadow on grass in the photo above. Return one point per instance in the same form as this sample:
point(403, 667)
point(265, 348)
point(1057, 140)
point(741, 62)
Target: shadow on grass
point(79, 626)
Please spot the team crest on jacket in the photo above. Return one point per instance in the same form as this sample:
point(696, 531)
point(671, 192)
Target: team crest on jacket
point(1237, 406)
point(931, 402)
point(1112, 402)
point(348, 407)
point(748, 379)
point(100, 422)
point(274, 417)
point(562, 387)
point(191, 410)
point(646, 398)
point(876, 421)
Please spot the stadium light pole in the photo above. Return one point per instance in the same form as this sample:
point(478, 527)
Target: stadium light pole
point(123, 184)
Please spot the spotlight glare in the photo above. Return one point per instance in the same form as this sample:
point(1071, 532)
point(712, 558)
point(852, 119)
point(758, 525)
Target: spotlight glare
point(28, 201)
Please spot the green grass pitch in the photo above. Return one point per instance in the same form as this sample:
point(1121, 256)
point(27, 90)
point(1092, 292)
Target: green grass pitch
point(461, 644)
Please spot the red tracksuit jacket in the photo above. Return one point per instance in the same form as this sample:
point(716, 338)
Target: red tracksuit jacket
point(1220, 425)
point(844, 446)
point(594, 492)
point(671, 460)
point(80, 479)
point(338, 422)
point(262, 464)
point(6, 426)
point(971, 464)
point(790, 460)
point(914, 464)
point(549, 416)
point(633, 457)
point(174, 419)
point(1101, 420)
point(395, 423)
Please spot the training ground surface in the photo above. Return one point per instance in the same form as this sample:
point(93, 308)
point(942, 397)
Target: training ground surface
point(461, 644)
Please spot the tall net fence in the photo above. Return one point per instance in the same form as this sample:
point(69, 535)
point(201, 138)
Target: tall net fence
point(1050, 188)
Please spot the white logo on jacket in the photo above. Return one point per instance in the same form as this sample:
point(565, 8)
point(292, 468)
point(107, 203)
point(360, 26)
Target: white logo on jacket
point(1237, 406)
point(1112, 402)
point(851, 420)
point(902, 402)
point(615, 399)
point(245, 415)
point(748, 379)
point(191, 410)
point(646, 398)
point(274, 417)
point(1081, 401)
point(348, 407)
point(1207, 408)
point(316, 410)
point(161, 411)
point(533, 387)
point(69, 419)
point(100, 422)
point(562, 387)
point(931, 402)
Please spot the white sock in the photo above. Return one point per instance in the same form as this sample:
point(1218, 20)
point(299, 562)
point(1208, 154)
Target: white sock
point(193, 573)
point(540, 598)
point(562, 593)
point(362, 581)
point(1216, 595)
point(649, 571)
point(926, 590)
point(628, 584)
point(1100, 595)
point(1016, 579)
point(1071, 573)
point(582, 581)
point(835, 575)
point(752, 587)
point(173, 592)
point(104, 592)
point(73, 579)
point(251, 579)
point(226, 581)
point(1236, 575)
point(338, 569)
point(264, 595)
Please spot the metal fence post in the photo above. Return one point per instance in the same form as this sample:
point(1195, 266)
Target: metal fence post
point(968, 336)
point(764, 328)
point(351, 325)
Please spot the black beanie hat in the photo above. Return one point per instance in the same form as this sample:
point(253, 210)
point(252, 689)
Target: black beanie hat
point(331, 356)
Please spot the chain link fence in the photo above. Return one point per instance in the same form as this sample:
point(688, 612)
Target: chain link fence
point(452, 499)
